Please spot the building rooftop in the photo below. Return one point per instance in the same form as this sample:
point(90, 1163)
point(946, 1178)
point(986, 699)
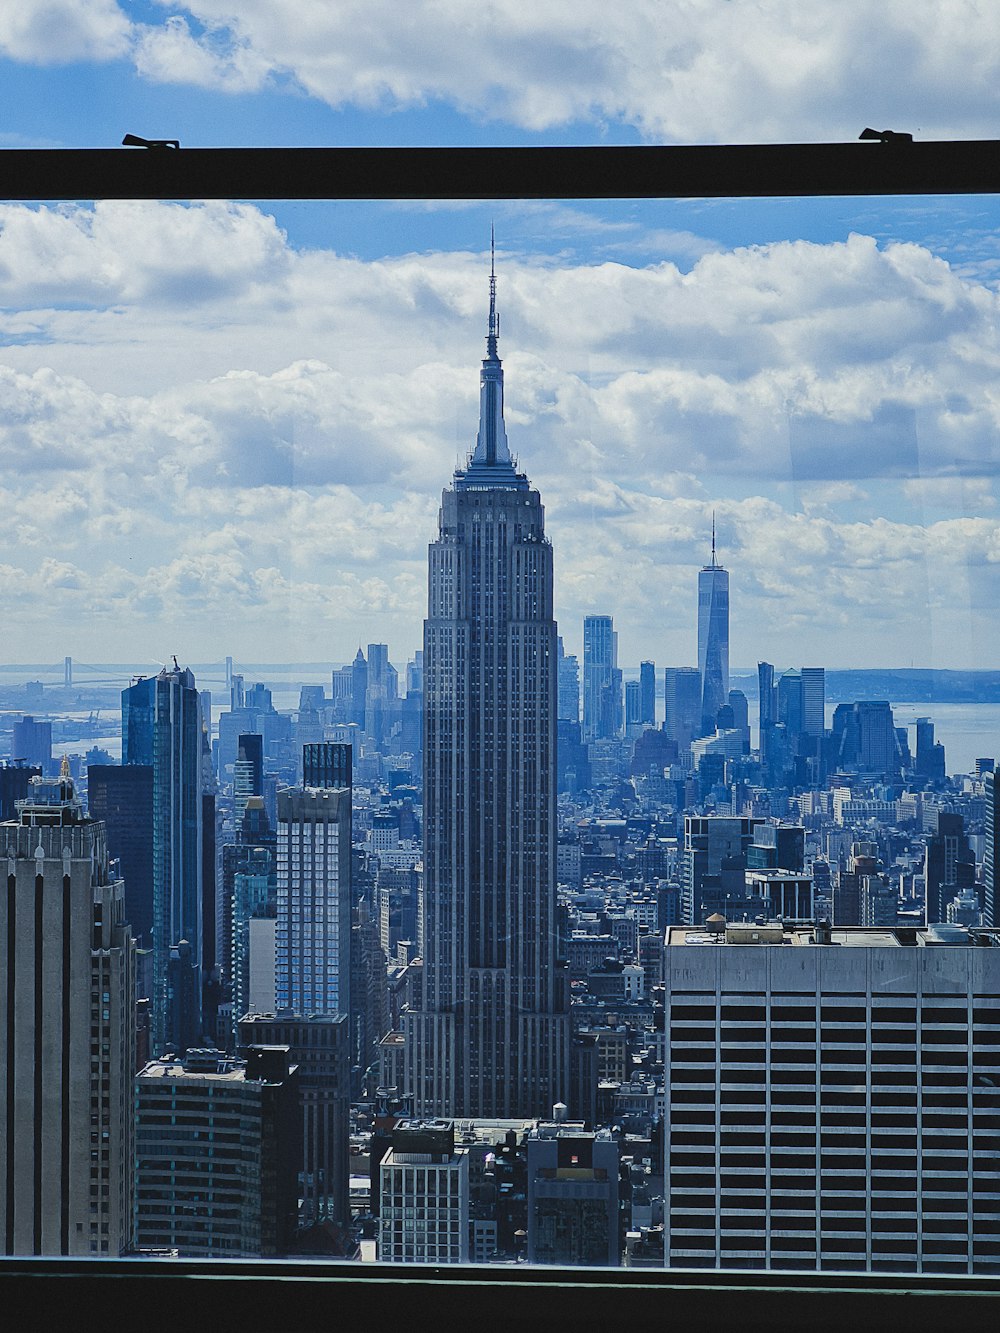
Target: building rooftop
point(775, 932)
point(227, 1071)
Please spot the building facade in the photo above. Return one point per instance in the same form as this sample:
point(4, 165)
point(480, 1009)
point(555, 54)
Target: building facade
point(424, 1196)
point(67, 975)
point(218, 1151)
point(320, 1044)
point(314, 900)
point(491, 1037)
point(832, 1100)
point(602, 680)
point(162, 728)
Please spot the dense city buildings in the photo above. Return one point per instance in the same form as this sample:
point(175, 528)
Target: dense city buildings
point(67, 974)
point(487, 957)
point(491, 1034)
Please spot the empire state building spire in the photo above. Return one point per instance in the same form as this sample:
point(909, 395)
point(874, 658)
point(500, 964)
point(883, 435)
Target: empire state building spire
point(491, 443)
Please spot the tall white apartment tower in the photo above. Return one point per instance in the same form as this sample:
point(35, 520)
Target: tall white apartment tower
point(67, 1058)
point(491, 1037)
point(313, 935)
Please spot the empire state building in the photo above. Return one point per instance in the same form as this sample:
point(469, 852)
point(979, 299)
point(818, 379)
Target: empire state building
point(491, 1038)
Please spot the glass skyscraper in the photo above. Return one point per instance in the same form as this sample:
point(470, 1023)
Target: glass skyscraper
point(161, 727)
point(713, 639)
point(492, 1035)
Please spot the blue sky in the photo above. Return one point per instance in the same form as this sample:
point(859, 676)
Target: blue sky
point(226, 428)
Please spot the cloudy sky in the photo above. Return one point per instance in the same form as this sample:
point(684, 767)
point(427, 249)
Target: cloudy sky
point(225, 428)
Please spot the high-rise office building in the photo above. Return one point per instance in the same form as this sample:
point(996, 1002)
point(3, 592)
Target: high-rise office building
point(813, 700)
point(491, 1037)
point(121, 797)
point(31, 742)
point(327, 764)
point(647, 693)
point(682, 701)
point(14, 780)
point(865, 738)
point(162, 727)
point(321, 1046)
point(568, 686)
point(765, 708)
point(713, 639)
point(991, 855)
point(314, 900)
point(67, 974)
point(253, 898)
point(381, 691)
point(248, 773)
point(789, 702)
point(602, 680)
point(713, 864)
point(829, 1104)
point(237, 1199)
point(633, 704)
point(949, 865)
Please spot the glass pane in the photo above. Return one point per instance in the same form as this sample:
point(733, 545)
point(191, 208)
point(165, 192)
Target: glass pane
point(753, 447)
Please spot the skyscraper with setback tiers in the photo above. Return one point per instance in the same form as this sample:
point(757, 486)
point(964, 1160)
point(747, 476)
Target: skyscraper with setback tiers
point(491, 1037)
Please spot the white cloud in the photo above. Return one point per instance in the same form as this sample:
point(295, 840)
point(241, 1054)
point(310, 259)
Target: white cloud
point(172, 53)
point(208, 433)
point(56, 32)
point(748, 70)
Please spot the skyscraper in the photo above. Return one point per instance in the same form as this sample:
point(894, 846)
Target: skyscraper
point(121, 797)
point(813, 700)
point(602, 680)
point(569, 686)
point(492, 1035)
point(765, 708)
point(991, 855)
point(682, 704)
point(67, 974)
point(713, 639)
point(162, 727)
point(248, 773)
point(647, 693)
point(327, 764)
point(850, 1076)
point(314, 900)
